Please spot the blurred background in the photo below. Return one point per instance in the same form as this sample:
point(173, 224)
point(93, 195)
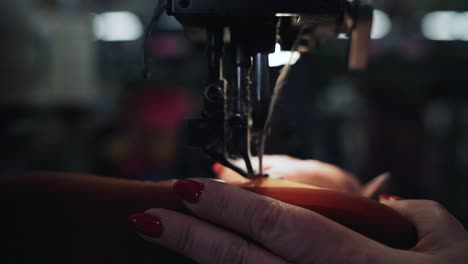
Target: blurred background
point(72, 97)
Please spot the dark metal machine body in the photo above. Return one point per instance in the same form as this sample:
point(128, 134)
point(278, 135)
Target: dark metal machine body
point(243, 33)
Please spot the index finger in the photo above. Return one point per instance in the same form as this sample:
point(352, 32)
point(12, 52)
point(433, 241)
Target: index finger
point(294, 233)
point(312, 172)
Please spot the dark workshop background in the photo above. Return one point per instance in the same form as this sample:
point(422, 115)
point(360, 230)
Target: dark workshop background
point(72, 97)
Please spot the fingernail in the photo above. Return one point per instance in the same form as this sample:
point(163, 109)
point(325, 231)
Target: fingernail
point(217, 168)
point(146, 224)
point(189, 190)
point(390, 197)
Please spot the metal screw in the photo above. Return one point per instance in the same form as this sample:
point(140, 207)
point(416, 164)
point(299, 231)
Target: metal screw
point(237, 121)
point(214, 93)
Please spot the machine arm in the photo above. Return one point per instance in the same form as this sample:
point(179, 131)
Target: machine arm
point(243, 33)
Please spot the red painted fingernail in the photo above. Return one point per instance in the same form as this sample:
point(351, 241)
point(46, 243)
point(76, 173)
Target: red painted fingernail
point(217, 168)
point(188, 190)
point(390, 197)
point(146, 224)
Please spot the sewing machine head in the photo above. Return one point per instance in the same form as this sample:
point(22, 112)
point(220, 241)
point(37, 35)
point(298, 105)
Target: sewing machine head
point(238, 107)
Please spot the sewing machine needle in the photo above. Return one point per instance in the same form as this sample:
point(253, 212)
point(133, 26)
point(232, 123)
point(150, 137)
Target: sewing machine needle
point(260, 150)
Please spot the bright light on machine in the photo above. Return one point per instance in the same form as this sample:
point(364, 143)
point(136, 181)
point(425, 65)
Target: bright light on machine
point(445, 26)
point(381, 26)
point(462, 26)
point(280, 57)
point(117, 26)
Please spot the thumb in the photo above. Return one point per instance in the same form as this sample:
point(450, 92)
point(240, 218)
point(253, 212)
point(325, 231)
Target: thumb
point(227, 175)
point(436, 227)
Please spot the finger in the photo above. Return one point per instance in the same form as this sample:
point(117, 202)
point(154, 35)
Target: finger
point(310, 172)
point(434, 224)
point(324, 175)
point(276, 225)
point(227, 174)
point(197, 239)
point(281, 162)
point(375, 185)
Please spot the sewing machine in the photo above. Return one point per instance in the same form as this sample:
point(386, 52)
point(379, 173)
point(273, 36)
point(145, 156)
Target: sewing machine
point(89, 212)
point(238, 96)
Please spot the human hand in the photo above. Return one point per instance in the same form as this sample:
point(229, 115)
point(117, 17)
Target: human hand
point(265, 230)
point(312, 172)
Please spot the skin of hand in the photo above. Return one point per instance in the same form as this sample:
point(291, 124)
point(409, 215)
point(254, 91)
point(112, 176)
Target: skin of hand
point(264, 230)
point(312, 172)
